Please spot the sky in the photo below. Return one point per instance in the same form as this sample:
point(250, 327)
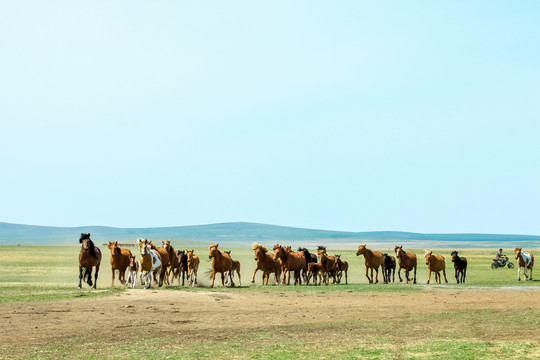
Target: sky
point(356, 116)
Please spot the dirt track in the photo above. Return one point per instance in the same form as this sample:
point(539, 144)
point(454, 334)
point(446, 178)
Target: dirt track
point(214, 316)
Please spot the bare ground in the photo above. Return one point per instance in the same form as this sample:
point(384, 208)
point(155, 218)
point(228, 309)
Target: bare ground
point(216, 316)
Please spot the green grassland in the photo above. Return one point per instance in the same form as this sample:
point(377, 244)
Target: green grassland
point(47, 273)
point(30, 273)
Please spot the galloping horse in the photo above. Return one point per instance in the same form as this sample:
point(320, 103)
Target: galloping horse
point(290, 261)
point(164, 255)
point(193, 267)
point(526, 261)
point(389, 268)
point(132, 271)
point(265, 263)
point(150, 262)
point(460, 266)
point(89, 257)
point(372, 260)
point(435, 263)
point(406, 261)
point(329, 265)
point(173, 266)
point(119, 261)
point(182, 266)
point(341, 267)
point(221, 262)
point(315, 270)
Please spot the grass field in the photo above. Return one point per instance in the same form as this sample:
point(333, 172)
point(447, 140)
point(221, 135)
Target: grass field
point(34, 276)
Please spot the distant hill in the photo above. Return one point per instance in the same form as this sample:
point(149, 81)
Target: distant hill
point(241, 234)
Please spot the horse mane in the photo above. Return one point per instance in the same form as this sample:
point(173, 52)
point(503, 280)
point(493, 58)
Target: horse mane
point(211, 246)
point(320, 247)
point(84, 236)
point(259, 246)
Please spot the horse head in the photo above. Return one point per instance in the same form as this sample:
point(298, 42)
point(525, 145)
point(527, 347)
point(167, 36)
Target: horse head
point(454, 255)
point(428, 255)
point(213, 250)
point(518, 252)
point(279, 252)
point(113, 246)
point(144, 244)
point(361, 250)
point(167, 245)
point(398, 250)
point(190, 255)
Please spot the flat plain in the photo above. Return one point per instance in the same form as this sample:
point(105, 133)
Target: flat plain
point(44, 316)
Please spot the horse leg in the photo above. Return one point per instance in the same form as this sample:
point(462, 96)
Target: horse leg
point(519, 271)
point(429, 276)
point(96, 276)
point(253, 278)
point(367, 274)
point(399, 274)
point(456, 274)
point(444, 273)
point(112, 283)
point(239, 278)
point(80, 276)
point(376, 275)
point(414, 282)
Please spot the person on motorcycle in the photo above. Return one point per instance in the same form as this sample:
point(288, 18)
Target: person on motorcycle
point(499, 257)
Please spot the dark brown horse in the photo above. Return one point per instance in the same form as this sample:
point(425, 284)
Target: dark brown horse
point(119, 261)
point(341, 267)
point(182, 265)
point(173, 268)
point(221, 263)
point(406, 261)
point(89, 257)
point(265, 263)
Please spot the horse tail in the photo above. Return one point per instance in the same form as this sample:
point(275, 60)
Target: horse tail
point(208, 273)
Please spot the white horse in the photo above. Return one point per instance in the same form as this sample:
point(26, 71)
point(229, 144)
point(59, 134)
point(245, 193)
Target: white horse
point(525, 260)
point(150, 262)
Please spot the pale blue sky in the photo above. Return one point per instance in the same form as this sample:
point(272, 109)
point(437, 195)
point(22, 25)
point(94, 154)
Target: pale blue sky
point(415, 116)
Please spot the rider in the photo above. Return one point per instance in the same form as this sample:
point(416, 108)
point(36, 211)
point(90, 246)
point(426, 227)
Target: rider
point(499, 257)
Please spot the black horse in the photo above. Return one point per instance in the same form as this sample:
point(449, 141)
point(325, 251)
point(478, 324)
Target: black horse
point(89, 257)
point(389, 267)
point(182, 258)
point(310, 258)
point(460, 266)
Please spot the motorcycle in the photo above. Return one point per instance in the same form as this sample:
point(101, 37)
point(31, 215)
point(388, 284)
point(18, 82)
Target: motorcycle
point(502, 262)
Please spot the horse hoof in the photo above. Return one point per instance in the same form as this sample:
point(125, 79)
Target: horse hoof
point(79, 288)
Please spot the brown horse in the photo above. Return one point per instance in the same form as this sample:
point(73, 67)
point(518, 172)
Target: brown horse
point(526, 261)
point(265, 263)
point(315, 270)
point(164, 254)
point(193, 267)
point(328, 264)
point(173, 269)
point(221, 263)
point(132, 271)
point(119, 261)
point(290, 261)
point(373, 259)
point(406, 261)
point(89, 257)
point(435, 264)
point(341, 267)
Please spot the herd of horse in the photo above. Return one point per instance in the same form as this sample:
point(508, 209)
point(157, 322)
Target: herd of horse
point(163, 264)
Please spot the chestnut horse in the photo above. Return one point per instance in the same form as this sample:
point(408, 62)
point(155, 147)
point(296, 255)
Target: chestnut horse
point(315, 270)
point(406, 261)
point(341, 267)
point(150, 262)
point(290, 261)
point(525, 261)
point(265, 263)
point(119, 261)
point(328, 263)
point(173, 266)
point(435, 263)
point(89, 257)
point(221, 262)
point(372, 260)
point(460, 266)
point(193, 267)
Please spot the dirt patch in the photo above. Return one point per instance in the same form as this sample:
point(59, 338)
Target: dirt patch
point(216, 316)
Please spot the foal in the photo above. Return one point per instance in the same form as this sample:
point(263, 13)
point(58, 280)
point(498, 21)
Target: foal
point(460, 266)
point(193, 267)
